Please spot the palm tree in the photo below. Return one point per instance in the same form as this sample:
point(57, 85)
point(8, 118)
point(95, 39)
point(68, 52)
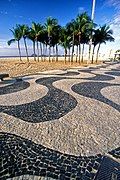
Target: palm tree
point(65, 41)
point(95, 41)
point(84, 40)
point(76, 42)
point(101, 35)
point(17, 34)
point(50, 24)
point(41, 41)
point(91, 29)
point(25, 33)
point(55, 41)
point(72, 30)
point(44, 41)
point(83, 21)
point(37, 28)
point(32, 37)
point(56, 38)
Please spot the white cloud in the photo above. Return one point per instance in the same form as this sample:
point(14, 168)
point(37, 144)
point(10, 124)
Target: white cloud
point(12, 50)
point(115, 26)
point(114, 23)
point(113, 3)
point(81, 9)
point(112, 46)
point(3, 12)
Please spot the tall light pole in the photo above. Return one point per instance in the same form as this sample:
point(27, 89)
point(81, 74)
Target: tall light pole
point(92, 18)
point(93, 10)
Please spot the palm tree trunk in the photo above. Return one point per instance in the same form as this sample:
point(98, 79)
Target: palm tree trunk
point(72, 48)
point(89, 52)
point(26, 49)
point(82, 52)
point(37, 51)
point(41, 50)
point(34, 50)
point(93, 54)
point(19, 50)
point(69, 54)
point(76, 53)
point(65, 55)
point(49, 48)
point(45, 52)
point(56, 52)
point(53, 53)
point(49, 53)
point(114, 57)
point(79, 46)
point(79, 52)
point(97, 53)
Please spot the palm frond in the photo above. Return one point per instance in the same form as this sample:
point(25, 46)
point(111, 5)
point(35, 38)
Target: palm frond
point(11, 41)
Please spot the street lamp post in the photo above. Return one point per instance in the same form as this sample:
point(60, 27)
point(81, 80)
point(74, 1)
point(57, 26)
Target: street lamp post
point(92, 18)
point(93, 10)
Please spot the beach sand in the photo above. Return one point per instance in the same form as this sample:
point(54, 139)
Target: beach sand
point(14, 67)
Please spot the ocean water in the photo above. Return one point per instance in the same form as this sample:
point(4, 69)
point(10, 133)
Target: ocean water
point(10, 56)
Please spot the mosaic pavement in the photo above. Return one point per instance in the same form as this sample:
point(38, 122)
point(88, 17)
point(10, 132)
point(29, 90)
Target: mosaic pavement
point(61, 125)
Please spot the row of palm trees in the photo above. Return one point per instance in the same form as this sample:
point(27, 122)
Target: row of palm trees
point(73, 37)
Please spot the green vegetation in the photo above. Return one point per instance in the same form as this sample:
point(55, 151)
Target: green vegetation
point(17, 34)
point(73, 36)
point(117, 55)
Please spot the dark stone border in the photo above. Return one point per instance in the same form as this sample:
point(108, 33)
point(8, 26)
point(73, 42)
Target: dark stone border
point(92, 90)
point(97, 77)
point(69, 73)
point(2, 76)
point(113, 73)
point(54, 105)
point(109, 170)
point(94, 68)
point(115, 153)
point(20, 156)
point(15, 87)
point(115, 70)
point(100, 77)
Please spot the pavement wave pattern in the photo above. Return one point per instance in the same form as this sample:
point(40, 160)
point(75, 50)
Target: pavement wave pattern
point(15, 87)
point(67, 104)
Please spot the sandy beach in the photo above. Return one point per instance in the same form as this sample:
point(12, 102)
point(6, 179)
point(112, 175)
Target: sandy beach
point(14, 67)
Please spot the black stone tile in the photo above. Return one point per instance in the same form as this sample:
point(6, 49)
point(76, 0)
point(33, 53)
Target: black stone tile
point(97, 77)
point(113, 73)
point(69, 73)
point(100, 77)
point(54, 105)
point(92, 90)
point(22, 163)
point(108, 169)
point(15, 87)
point(115, 153)
point(116, 69)
point(20, 156)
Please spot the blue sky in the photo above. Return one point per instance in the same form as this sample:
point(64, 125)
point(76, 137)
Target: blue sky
point(25, 11)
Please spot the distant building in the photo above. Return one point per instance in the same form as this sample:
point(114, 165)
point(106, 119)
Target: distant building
point(117, 55)
point(33, 55)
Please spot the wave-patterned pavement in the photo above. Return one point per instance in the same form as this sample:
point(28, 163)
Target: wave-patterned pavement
point(61, 125)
